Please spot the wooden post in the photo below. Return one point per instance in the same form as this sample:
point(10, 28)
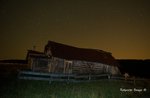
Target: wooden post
point(89, 76)
point(64, 66)
point(49, 65)
point(108, 76)
point(37, 65)
point(31, 63)
point(50, 79)
point(68, 77)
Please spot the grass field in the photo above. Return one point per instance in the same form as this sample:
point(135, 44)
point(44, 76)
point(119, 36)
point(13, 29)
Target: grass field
point(15, 88)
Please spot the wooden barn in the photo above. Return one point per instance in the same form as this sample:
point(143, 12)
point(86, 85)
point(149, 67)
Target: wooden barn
point(64, 62)
point(60, 58)
point(72, 60)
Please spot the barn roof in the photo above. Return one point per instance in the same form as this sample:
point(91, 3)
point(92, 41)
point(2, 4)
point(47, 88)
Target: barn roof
point(35, 54)
point(75, 53)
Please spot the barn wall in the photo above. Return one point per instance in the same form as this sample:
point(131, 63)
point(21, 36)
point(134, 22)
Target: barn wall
point(39, 64)
point(58, 65)
point(84, 67)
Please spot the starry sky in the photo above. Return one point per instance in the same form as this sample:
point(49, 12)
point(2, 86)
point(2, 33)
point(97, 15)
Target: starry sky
point(121, 27)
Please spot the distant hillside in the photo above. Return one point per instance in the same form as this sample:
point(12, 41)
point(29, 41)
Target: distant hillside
point(139, 68)
point(11, 67)
point(14, 61)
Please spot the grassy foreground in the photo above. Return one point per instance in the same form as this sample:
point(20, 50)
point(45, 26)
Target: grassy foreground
point(15, 88)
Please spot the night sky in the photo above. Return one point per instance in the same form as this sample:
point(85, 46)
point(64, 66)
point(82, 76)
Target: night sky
point(121, 27)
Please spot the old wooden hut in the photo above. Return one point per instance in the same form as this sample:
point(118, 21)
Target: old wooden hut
point(67, 59)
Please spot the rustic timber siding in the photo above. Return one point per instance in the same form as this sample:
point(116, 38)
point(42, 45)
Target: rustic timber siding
point(64, 66)
point(85, 67)
point(39, 64)
point(81, 67)
point(59, 65)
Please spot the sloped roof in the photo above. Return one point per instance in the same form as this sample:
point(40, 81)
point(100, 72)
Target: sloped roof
point(74, 53)
point(36, 54)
